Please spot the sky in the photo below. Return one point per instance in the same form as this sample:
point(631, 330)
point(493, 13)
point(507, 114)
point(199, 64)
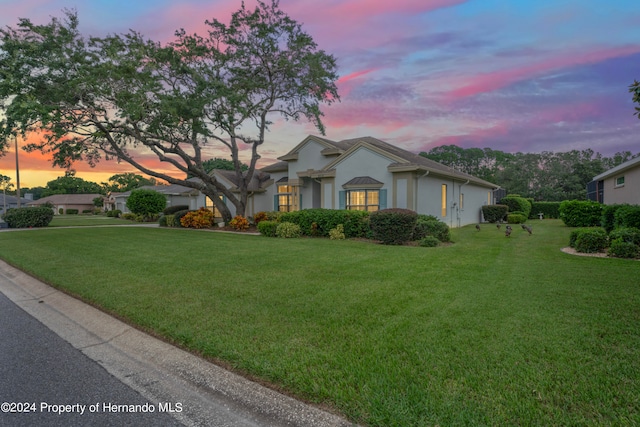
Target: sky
point(512, 75)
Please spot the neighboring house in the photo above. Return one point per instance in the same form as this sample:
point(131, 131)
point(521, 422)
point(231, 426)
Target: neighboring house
point(7, 202)
point(364, 174)
point(617, 185)
point(63, 202)
point(175, 194)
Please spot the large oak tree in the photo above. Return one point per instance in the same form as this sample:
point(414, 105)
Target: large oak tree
point(105, 98)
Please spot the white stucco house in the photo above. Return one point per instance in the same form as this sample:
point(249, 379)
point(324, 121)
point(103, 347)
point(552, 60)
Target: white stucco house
point(618, 185)
point(365, 174)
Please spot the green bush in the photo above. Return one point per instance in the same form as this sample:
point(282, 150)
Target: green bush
point(621, 249)
point(627, 216)
point(267, 228)
point(288, 230)
point(72, 212)
point(517, 204)
point(114, 213)
point(177, 217)
point(146, 202)
point(429, 242)
point(129, 216)
point(170, 210)
point(608, 216)
point(581, 213)
point(426, 225)
point(162, 221)
point(337, 233)
point(516, 218)
point(494, 213)
point(592, 240)
point(393, 226)
point(87, 211)
point(573, 236)
point(627, 234)
point(28, 217)
point(318, 222)
point(550, 210)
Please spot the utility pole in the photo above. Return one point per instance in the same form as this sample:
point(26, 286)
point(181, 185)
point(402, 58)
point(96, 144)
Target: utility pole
point(15, 138)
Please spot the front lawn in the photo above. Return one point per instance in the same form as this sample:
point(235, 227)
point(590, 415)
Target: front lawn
point(487, 331)
point(85, 220)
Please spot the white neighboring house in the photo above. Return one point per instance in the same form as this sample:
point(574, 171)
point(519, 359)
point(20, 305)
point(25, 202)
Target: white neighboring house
point(618, 185)
point(63, 202)
point(8, 202)
point(175, 194)
point(364, 174)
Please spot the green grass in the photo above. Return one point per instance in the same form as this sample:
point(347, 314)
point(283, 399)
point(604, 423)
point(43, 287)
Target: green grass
point(487, 331)
point(85, 220)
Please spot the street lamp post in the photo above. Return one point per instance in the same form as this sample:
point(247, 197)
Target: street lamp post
point(17, 172)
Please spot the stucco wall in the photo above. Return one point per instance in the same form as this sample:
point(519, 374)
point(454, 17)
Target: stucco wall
point(628, 193)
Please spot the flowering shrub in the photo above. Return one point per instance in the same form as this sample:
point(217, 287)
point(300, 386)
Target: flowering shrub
point(239, 222)
point(202, 218)
point(260, 216)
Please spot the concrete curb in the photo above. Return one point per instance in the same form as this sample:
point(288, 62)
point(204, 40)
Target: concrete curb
point(207, 394)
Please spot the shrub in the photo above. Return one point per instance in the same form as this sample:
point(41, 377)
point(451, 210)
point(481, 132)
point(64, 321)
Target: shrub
point(267, 228)
point(627, 216)
point(28, 217)
point(516, 218)
point(494, 213)
point(550, 210)
point(60, 211)
point(239, 223)
point(621, 249)
point(146, 202)
point(426, 226)
point(259, 217)
point(591, 240)
point(87, 211)
point(114, 213)
point(393, 226)
point(318, 222)
point(517, 204)
point(170, 210)
point(429, 242)
point(72, 212)
point(627, 234)
point(162, 222)
point(202, 218)
point(288, 230)
point(177, 217)
point(337, 233)
point(129, 216)
point(580, 213)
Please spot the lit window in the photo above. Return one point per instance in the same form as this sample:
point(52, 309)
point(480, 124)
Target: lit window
point(444, 200)
point(284, 198)
point(208, 203)
point(620, 181)
point(363, 200)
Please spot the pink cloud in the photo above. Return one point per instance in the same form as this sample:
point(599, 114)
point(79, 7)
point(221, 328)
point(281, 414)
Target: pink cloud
point(496, 80)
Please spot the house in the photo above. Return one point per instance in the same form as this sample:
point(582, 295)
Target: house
point(176, 195)
point(63, 202)
point(620, 184)
point(364, 174)
point(8, 202)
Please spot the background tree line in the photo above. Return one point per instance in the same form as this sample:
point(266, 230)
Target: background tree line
point(547, 176)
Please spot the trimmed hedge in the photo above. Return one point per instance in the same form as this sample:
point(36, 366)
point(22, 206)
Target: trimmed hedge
point(71, 211)
point(146, 202)
point(516, 218)
point(393, 226)
point(621, 249)
point(517, 204)
point(494, 213)
point(581, 213)
point(591, 240)
point(627, 216)
point(551, 210)
point(318, 222)
point(429, 242)
point(28, 217)
point(427, 225)
point(267, 228)
point(114, 213)
point(626, 234)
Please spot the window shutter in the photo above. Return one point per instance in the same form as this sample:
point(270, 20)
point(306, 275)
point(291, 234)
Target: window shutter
point(300, 202)
point(383, 199)
point(275, 202)
point(342, 200)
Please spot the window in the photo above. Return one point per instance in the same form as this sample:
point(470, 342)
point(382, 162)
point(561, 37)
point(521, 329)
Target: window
point(488, 197)
point(620, 181)
point(363, 200)
point(444, 200)
point(284, 198)
point(208, 204)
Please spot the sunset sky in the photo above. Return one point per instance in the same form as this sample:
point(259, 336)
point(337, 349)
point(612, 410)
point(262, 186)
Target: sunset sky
point(528, 76)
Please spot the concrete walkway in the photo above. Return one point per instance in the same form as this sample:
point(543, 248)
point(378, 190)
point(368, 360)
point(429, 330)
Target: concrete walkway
point(207, 394)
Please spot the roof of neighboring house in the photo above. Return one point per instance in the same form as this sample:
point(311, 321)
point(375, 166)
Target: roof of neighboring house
point(66, 199)
point(12, 200)
point(622, 167)
point(404, 159)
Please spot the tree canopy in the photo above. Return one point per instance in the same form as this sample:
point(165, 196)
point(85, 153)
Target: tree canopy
point(634, 88)
point(126, 182)
point(105, 98)
point(70, 184)
point(547, 176)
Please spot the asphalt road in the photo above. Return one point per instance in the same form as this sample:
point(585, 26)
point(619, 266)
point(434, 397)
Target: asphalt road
point(47, 382)
point(56, 350)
